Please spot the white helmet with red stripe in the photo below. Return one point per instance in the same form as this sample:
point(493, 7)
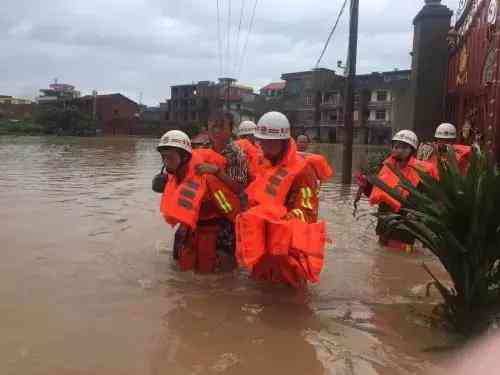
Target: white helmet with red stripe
point(273, 125)
point(247, 128)
point(446, 131)
point(177, 139)
point(408, 137)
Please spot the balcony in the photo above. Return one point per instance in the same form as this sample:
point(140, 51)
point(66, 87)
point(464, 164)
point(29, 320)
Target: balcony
point(381, 104)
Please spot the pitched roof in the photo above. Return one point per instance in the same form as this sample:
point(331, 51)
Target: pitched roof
point(274, 86)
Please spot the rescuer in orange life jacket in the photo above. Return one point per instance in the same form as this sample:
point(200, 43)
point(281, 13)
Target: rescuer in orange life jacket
point(444, 139)
point(195, 201)
point(404, 148)
point(278, 238)
point(318, 162)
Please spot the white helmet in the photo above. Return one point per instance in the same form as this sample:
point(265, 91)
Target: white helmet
point(408, 137)
point(177, 139)
point(273, 125)
point(247, 128)
point(446, 131)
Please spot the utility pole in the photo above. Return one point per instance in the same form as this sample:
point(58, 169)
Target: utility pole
point(349, 93)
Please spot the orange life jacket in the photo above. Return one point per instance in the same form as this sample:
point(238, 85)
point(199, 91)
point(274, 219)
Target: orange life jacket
point(390, 179)
point(207, 155)
point(181, 200)
point(462, 153)
point(320, 165)
point(272, 183)
point(279, 251)
point(253, 154)
point(276, 250)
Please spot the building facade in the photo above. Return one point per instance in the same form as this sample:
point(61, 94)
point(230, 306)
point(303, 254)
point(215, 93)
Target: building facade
point(314, 102)
point(193, 104)
point(115, 113)
point(473, 82)
point(58, 93)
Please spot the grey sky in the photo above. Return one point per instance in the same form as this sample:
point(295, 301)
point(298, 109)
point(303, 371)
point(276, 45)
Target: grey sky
point(134, 46)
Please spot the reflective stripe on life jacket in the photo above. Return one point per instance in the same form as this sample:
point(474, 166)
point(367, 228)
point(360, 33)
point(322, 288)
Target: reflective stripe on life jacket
point(320, 165)
point(279, 251)
point(273, 183)
point(390, 179)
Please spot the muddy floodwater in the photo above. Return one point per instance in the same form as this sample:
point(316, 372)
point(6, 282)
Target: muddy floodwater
point(87, 285)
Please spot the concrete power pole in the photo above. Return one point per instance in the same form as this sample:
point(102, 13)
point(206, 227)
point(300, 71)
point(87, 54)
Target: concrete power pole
point(349, 94)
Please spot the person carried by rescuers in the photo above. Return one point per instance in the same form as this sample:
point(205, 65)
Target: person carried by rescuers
point(318, 162)
point(445, 138)
point(194, 201)
point(234, 173)
point(246, 141)
point(278, 238)
point(402, 158)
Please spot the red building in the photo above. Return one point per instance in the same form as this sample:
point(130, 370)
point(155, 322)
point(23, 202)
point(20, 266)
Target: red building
point(115, 113)
point(473, 87)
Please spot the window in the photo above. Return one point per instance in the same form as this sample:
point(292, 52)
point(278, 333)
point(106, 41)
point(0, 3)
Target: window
point(167, 116)
point(356, 98)
point(380, 114)
point(334, 116)
point(193, 116)
point(356, 115)
point(308, 100)
point(308, 83)
point(382, 96)
point(294, 87)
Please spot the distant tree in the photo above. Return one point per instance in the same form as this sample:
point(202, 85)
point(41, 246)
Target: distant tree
point(65, 121)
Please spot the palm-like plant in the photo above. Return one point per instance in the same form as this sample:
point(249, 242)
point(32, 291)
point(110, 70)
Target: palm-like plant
point(458, 219)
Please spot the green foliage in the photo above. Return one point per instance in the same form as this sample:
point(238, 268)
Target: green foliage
point(20, 127)
point(65, 121)
point(373, 163)
point(458, 219)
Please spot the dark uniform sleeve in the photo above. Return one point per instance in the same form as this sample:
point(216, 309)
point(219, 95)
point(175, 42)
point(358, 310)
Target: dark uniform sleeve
point(302, 200)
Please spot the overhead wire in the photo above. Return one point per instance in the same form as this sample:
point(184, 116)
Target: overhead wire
point(331, 33)
point(250, 27)
point(228, 44)
point(219, 39)
point(237, 49)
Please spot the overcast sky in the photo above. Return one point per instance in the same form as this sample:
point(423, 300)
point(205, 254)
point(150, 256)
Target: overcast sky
point(134, 46)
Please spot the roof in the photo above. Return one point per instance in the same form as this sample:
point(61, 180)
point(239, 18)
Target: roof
point(274, 86)
point(106, 96)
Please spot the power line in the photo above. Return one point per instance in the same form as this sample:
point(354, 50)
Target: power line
point(219, 39)
point(248, 36)
point(236, 54)
point(331, 33)
point(228, 44)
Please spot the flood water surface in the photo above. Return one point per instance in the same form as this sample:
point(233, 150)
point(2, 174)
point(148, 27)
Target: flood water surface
point(87, 285)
